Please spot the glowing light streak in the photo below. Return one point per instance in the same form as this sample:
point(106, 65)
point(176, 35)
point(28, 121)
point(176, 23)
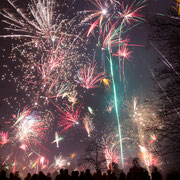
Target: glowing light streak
point(91, 110)
point(116, 108)
point(7, 159)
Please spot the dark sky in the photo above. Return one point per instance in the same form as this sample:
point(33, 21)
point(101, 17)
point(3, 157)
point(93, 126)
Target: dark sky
point(137, 74)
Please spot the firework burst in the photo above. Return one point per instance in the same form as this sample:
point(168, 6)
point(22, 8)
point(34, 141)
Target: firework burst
point(30, 130)
point(88, 124)
point(111, 150)
point(4, 138)
point(87, 79)
point(69, 117)
point(60, 162)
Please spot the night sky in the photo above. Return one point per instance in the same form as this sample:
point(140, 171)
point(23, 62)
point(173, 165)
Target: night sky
point(138, 83)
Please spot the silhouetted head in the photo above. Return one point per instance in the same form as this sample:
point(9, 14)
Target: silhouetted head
point(48, 174)
point(66, 171)
point(34, 177)
point(155, 169)
point(16, 174)
point(11, 175)
point(72, 173)
point(76, 173)
point(3, 173)
point(99, 172)
point(108, 172)
point(136, 162)
point(88, 171)
point(61, 171)
point(82, 173)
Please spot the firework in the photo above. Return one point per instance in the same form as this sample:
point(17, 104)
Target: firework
point(69, 117)
point(60, 162)
point(7, 159)
point(148, 159)
point(130, 13)
point(99, 14)
point(57, 139)
point(73, 155)
point(4, 138)
point(14, 166)
point(125, 54)
point(43, 162)
point(72, 97)
point(87, 79)
point(87, 120)
point(49, 47)
point(111, 151)
point(106, 82)
point(23, 147)
point(144, 118)
point(43, 24)
point(110, 107)
point(153, 138)
point(30, 129)
point(21, 115)
point(91, 110)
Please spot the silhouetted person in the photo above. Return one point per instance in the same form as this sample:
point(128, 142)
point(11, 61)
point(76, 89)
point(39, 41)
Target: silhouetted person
point(81, 177)
point(75, 175)
point(104, 176)
point(146, 175)
point(3, 175)
point(16, 176)
point(66, 175)
point(115, 169)
point(88, 175)
point(141, 173)
point(113, 176)
point(55, 173)
point(28, 176)
point(49, 176)
point(42, 176)
point(60, 176)
point(156, 175)
point(109, 176)
point(97, 175)
point(174, 175)
point(11, 176)
point(122, 175)
point(34, 177)
point(134, 172)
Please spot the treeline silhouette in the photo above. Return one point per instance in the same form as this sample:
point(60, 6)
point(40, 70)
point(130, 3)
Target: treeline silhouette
point(135, 173)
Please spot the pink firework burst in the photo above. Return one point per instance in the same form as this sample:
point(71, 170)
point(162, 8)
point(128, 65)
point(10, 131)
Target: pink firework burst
point(111, 150)
point(123, 53)
point(87, 79)
point(69, 117)
point(111, 155)
point(4, 138)
point(131, 13)
point(29, 129)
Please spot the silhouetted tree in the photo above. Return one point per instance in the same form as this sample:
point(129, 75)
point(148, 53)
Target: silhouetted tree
point(164, 35)
point(93, 156)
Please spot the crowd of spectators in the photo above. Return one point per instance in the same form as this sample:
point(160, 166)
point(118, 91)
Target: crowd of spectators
point(135, 173)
